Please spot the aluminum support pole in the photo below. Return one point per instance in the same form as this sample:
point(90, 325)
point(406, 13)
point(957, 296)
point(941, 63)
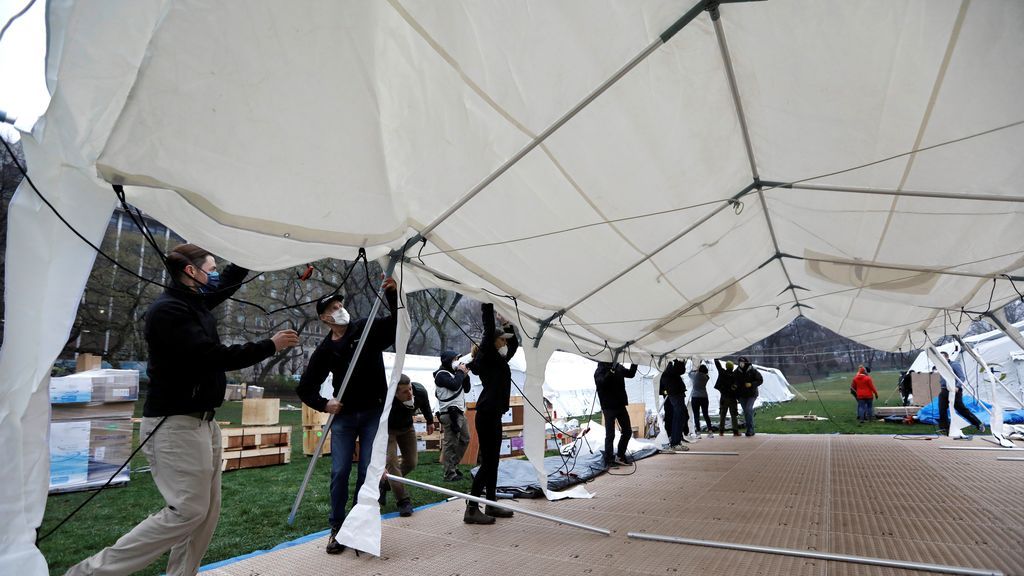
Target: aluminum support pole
point(511, 507)
point(940, 568)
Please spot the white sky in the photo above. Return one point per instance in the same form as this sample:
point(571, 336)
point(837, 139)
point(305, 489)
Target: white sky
point(22, 57)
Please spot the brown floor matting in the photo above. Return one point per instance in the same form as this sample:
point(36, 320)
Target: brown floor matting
point(861, 495)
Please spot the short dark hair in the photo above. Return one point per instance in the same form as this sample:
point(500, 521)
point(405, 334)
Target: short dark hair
point(184, 255)
point(403, 380)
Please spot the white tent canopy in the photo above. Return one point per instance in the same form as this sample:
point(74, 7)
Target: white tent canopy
point(609, 163)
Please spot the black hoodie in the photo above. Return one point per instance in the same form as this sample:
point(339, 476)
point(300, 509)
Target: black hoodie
point(671, 380)
point(492, 367)
point(610, 380)
point(186, 359)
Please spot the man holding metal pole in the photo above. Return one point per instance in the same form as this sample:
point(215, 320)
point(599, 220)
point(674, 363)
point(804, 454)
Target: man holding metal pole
point(358, 412)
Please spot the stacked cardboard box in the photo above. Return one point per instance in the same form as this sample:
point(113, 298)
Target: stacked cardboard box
point(91, 428)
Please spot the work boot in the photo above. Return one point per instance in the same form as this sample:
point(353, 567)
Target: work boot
point(333, 546)
point(473, 515)
point(405, 507)
point(497, 512)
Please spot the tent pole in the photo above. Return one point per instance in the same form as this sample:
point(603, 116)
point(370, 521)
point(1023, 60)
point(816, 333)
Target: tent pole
point(587, 100)
point(1002, 322)
point(886, 192)
point(996, 422)
point(499, 504)
point(940, 568)
point(395, 256)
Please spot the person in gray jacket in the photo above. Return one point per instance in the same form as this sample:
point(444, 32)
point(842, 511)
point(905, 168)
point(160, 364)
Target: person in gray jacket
point(699, 397)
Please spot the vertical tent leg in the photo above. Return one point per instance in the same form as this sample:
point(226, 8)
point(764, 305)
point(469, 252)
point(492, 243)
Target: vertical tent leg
point(996, 421)
point(956, 422)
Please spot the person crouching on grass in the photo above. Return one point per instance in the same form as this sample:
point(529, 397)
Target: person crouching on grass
point(491, 365)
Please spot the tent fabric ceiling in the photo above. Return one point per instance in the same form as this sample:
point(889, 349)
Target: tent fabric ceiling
point(274, 134)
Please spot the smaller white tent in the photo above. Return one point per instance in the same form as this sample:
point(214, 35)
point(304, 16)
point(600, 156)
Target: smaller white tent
point(1001, 354)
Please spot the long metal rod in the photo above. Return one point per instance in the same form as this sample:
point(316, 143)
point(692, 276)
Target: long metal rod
point(940, 568)
point(341, 391)
point(540, 138)
point(1010, 458)
point(888, 192)
point(994, 448)
point(503, 505)
point(708, 453)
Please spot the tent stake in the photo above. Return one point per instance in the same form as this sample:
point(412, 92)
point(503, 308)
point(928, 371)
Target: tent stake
point(478, 500)
point(940, 568)
point(344, 384)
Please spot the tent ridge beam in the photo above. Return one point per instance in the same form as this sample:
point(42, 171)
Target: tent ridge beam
point(664, 37)
point(891, 192)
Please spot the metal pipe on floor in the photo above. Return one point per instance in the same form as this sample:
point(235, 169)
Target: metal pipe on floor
point(940, 568)
point(706, 453)
point(479, 500)
point(1010, 458)
point(995, 448)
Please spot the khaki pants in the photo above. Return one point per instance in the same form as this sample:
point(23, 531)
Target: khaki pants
point(404, 441)
point(453, 444)
point(184, 458)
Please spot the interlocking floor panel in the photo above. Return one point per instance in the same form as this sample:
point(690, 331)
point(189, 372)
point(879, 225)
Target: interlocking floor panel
point(859, 495)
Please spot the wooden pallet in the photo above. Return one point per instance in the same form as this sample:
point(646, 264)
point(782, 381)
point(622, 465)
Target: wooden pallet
point(250, 437)
point(256, 458)
point(883, 411)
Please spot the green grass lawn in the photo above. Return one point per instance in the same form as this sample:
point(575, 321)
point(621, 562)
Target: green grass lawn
point(830, 398)
point(254, 512)
point(256, 502)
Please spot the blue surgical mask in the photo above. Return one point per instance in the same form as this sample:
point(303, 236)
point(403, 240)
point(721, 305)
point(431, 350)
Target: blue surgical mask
point(212, 282)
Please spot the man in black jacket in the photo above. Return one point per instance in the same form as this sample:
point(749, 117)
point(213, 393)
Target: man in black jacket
point(358, 413)
point(451, 383)
point(728, 389)
point(409, 397)
point(186, 384)
point(610, 379)
point(748, 380)
point(671, 381)
point(491, 365)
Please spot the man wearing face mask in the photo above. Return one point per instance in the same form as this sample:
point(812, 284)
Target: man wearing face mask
point(451, 383)
point(358, 413)
point(491, 365)
point(186, 384)
point(409, 397)
point(748, 380)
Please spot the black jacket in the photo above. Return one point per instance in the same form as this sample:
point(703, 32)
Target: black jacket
point(449, 384)
point(611, 384)
point(186, 359)
point(401, 415)
point(368, 386)
point(671, 380)
point(491, 367)
point(726, 383)
point(747, 381)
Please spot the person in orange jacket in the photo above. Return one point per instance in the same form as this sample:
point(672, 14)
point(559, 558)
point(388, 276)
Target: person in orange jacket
point(863, 389)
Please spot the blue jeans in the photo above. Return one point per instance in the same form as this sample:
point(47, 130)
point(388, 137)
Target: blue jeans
point(865, 408)
point(748, 413)
point(345, 429)
point(680, 418)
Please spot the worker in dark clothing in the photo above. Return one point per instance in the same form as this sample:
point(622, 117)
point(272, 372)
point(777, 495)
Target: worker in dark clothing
point(728, 389)
point(357, 414)
point(748, 380)
point(409, 397)
point(183, 441)
point(906, 386)
point(451, 383)
point(958, 399)
point(610, 379)
point(671, 381)
point(491, 365)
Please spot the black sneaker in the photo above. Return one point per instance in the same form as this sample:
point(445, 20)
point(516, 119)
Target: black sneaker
point(405, 508)
point(622, 460)
point(496, 512)
point(333, 546)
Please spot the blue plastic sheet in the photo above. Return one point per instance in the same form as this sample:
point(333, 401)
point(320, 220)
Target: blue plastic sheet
point(930, 413)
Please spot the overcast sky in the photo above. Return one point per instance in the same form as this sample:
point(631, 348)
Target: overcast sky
point(22, 53)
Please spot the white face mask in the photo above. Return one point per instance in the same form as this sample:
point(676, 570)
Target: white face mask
point(340, 317)
point(409, 403)
point(503, 350)
point(455, 364)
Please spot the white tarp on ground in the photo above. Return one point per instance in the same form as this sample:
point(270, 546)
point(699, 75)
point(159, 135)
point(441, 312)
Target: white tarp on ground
point(274, 134)
point(1001, 354)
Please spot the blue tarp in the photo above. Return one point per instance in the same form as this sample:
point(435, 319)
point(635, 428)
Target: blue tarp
point(930, 413)
point(1014, 417)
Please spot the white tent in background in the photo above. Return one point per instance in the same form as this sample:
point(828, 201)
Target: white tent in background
point(679, 178)
point(1003, 356)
